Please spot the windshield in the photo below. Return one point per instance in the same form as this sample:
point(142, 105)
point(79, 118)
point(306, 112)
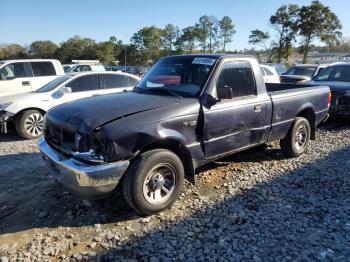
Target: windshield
point(334, 73)
point(181, 76)
point(301, 71)
point(71, 69)
point(53, 84)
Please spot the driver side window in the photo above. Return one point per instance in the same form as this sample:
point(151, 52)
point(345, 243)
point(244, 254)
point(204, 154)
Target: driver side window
point(236, 80)
point(12, 71)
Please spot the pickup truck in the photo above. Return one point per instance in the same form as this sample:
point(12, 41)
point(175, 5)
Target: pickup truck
point(27, 75)
point(186, 111)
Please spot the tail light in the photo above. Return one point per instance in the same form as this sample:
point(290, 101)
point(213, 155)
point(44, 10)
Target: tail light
point(329, 99)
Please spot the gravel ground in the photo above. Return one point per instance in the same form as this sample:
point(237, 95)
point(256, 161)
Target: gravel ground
point(253, 206)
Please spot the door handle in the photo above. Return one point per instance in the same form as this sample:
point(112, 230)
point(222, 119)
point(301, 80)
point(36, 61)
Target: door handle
point(25, 83)
point(257, 108)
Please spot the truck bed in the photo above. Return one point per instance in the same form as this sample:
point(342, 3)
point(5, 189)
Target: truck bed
point(281, 87)
point(289, 100)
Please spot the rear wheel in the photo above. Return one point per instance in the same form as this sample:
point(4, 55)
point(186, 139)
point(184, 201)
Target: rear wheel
point(29, 124)
point(297, 139)
point(153, 181)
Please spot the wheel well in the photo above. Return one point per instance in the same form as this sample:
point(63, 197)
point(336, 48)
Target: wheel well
point(309, 114)
point(180, 150)
point(30, 108)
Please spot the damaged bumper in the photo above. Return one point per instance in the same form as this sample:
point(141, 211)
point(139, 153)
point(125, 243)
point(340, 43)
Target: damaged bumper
point(85, 180)
point(4, 118)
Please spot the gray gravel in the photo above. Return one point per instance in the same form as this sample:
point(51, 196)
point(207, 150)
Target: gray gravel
point(255, 206)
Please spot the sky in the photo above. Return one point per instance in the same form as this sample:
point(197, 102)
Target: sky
point(58, 20)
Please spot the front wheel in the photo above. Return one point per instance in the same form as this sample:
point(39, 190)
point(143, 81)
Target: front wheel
point(153, 181)
point(29, 124)
point(297, 139)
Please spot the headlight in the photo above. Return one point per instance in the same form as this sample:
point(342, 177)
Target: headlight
point(95, 148)
point(4, 106)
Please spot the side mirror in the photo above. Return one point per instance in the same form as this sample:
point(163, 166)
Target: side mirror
point(66, 90)
point(225, 92)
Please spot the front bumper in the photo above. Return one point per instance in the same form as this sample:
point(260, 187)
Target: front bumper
point(85, 180)
point(4, 118)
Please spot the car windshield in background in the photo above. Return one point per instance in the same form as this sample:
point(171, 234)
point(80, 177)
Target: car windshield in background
point(181, 76)
point(301, 71)
point(53, 84)
point(334, 73)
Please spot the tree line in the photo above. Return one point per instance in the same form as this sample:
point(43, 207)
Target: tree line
point(146, 46)
point(296, 29)
point(302, 25)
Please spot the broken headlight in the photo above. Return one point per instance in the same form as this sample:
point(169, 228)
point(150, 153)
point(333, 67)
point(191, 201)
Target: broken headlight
point(95, 148)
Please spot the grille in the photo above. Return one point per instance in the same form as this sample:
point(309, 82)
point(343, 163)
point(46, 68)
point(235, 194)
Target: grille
point(59, 137)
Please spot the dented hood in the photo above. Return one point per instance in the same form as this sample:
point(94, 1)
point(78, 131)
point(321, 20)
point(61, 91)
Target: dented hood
point(87, 114)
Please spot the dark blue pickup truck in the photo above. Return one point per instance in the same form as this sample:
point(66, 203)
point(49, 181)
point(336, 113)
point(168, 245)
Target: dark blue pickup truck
point(187, 111)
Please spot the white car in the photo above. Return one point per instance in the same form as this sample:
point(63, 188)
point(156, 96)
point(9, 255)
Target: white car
point(270, 74)
point(26, 110)
point(86, 68)
point(27, 75)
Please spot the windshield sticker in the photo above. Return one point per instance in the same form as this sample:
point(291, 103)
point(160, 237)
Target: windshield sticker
point(203, 61)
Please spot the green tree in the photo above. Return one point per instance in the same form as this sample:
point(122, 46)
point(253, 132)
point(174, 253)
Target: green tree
point(12, 51)
point(259, 38)
point(171, 36)
point(149, 41)
point(107, 51)
point(188, 38)
point(213, 33)
point(207, 32)
point(227, 30)
point(77, 48)
point(42, 49)
point(202, 31)
point(284, 21)
point(317, 21)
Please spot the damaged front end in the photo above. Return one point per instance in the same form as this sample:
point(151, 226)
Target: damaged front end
point(88, 165)
point(4, 119)
point(96, 148)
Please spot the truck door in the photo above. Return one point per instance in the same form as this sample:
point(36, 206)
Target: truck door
point(43, 73)
point(15, 78)
point(238, 119)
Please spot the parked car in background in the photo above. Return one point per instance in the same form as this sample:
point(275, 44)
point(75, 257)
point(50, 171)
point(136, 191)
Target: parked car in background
point(138, 71)
point(301, 73)
point(280, 68)
point(86, 68)
point(337, 77)
point(66, 67)
point(150, 139)
point(270, 74)
point(27, 75)
point(26, 111)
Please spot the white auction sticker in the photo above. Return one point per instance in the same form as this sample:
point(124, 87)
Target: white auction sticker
point(203, 61)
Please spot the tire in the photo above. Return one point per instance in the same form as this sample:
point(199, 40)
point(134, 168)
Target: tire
point(148, 174)
point(29, 124)
point(297, 139)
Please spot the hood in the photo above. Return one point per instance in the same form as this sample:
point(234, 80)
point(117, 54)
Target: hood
point(18, 97)
point(87, 114)
point(335, 86)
